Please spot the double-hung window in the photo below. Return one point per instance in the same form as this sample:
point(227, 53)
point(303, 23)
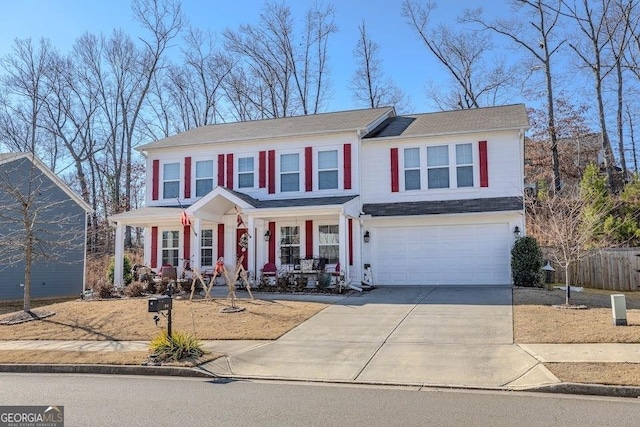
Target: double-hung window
point(289, 244)
point(290, 172)
point(327, 170)
point(464, 165)
point(438, 166)
point(245, 172)
point(328, 243)
point(171, 180)
point(204, 177)
point(206, 248)
point(170, 244)
point(411, 168)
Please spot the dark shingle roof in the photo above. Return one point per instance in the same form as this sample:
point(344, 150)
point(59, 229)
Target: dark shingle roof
point(457, 121)
point(444, 207)
point(342, 121)
point(290, 203)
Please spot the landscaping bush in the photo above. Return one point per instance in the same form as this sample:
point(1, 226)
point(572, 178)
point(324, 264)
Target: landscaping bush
point(104, 289)
point(127, 275)
point(526, 262)
point(180, 346)
point(134, 289)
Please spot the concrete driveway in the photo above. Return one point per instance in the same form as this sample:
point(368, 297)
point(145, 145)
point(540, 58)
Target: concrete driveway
point(438, 336)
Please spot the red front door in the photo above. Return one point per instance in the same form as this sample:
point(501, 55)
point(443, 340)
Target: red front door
point(240, 249)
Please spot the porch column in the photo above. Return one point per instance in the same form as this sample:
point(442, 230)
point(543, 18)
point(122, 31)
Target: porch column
point(195, 245)
point(118, 271)
point(343, 241)
point(251, 248)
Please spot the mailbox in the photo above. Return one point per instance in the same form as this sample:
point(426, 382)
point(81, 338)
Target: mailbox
point(160, 303)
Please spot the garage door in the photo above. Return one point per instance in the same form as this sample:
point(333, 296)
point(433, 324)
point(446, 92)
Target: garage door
point(442, 255)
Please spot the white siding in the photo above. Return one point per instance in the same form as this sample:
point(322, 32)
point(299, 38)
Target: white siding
point(504, 166)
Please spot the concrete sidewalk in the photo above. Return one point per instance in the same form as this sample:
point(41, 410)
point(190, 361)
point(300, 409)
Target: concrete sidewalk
point(438, 336)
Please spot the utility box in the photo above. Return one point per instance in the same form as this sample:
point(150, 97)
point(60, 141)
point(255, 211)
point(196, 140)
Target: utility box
point(619, 309)
point(160, 303)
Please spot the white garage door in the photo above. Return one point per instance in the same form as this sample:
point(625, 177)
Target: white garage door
point(442, 255)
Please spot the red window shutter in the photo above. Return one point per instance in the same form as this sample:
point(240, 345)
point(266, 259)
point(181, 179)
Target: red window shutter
point(230, 171)
point(272, 242)
point(187, 242)
point(350, 241)
point(262, 169)
point(395, 180)
point(484, 169)
point(272, 171)
point(308, 169)
point(221, 169)
point(220, 240)
point(347, 166)
point(187, 178)
point(154, 247)
point(308, 227)
point(155, 179)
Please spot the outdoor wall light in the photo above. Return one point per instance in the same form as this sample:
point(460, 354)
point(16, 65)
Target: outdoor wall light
point(516, 232)
point(267, 235)
point(367, 237)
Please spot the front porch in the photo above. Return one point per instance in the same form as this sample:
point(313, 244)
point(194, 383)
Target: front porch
point(280, 234)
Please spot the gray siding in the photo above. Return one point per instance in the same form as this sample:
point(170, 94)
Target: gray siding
point(57, 269)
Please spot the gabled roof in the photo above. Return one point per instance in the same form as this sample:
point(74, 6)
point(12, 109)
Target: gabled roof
point(453, 122)
point(342, 121)
point(11, 157)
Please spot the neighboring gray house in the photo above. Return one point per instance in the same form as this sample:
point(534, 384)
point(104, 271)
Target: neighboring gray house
point(33, 197)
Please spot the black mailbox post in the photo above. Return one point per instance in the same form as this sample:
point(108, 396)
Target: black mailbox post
point(163, 303)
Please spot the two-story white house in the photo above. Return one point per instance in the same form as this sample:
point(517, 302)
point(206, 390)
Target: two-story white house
point(425, 199)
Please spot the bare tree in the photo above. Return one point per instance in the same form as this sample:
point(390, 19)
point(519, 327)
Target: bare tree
point(123, 74)
point(289, 71)
point(590, 47)
point(25, 91)
point(37, 222)
point(369, 84)
point(462, 55)
point(567, 221)
point(620, 24)
point(540, 42)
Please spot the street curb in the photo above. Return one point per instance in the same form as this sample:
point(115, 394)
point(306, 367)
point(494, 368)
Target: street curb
point(588, 389)
point(168, 371)
point(176, 371)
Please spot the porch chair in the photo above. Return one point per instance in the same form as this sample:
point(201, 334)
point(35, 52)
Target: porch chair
point(168, 273)
point(269, 274)
point(335, 278)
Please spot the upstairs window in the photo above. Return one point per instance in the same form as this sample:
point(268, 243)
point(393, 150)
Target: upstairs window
point(438, 166)
point(329, 243)
point(464, 165)
point(289, 172)
point(289, 244)
point(245, 172)
point(327, 170)
point(171, 181)
point(204, 177)
point(170, 244)
point(412, 169)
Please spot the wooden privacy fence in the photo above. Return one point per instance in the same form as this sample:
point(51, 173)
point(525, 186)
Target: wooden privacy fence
point(615, 269)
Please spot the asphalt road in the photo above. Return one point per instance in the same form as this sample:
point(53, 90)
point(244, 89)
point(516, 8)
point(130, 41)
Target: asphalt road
point(94, 400)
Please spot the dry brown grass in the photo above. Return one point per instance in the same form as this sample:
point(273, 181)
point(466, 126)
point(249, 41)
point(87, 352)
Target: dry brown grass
point(13, 306)
point(89, 357)
point(536, 321)
point(128, 319)
point(597, 373)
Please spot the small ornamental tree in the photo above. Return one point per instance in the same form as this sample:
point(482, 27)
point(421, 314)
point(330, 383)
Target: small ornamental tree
point(127, 275)
point(526, 262)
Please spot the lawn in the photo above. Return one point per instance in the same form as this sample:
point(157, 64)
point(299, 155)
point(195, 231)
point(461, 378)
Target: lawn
point(535, 320)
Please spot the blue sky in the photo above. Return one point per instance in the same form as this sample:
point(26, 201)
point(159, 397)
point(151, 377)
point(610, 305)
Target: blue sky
point(405, 58)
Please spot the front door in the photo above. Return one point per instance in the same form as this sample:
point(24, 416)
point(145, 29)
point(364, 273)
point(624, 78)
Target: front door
point(242, 246)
